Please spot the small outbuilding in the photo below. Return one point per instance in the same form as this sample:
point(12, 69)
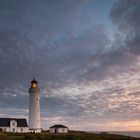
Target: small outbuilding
point(13, 125)
point(59, 129)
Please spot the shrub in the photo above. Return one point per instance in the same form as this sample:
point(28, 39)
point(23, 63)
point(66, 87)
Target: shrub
point(3, 136)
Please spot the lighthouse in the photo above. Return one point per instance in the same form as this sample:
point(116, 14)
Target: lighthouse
point(34, 107)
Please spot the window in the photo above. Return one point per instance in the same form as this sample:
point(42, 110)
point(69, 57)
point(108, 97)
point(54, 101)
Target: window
point(13, 123)
point(34, 85)
point(13, 129)
point(21, 129)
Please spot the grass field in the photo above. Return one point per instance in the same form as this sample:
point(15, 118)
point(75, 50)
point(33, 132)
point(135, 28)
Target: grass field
point(71, 136)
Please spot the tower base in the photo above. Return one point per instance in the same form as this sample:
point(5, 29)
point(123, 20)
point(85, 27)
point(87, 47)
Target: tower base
point(35, 130)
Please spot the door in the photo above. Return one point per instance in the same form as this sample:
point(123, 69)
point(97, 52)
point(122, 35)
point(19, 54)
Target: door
point(55, 130)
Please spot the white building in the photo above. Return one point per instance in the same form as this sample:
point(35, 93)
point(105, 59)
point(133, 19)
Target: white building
point(13, 125)
point(34, 107)
point(59, 129)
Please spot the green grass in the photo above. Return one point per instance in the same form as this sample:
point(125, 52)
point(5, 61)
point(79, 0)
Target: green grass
point(70, 136)
point(16, 138)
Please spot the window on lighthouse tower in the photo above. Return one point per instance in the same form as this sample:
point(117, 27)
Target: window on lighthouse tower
point(34, 85)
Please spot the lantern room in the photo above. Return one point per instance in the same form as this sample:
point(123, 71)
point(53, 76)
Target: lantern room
point(34, 84)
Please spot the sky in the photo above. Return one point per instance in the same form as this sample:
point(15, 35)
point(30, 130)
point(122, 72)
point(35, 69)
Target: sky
point(85, 55)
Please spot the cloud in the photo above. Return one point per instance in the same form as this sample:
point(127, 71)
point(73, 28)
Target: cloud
point(83, 75)
point(32, 45)
point(126, 16)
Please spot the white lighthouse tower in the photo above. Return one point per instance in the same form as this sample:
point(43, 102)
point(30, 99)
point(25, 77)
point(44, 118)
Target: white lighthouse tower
point(34, 107)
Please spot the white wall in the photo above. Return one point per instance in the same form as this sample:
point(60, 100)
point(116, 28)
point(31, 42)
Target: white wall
point(16, 129)
point(35, 130)
point(34, 111)
point(59, 130)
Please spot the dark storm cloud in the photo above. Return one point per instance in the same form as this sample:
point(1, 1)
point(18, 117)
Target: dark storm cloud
point(124, 51)
point(34, 44)
point(125, 14)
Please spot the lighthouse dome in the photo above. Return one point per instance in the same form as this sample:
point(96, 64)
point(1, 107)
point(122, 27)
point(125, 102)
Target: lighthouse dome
point(34, 81)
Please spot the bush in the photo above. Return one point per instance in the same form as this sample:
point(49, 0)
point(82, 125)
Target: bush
point(3, 136)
